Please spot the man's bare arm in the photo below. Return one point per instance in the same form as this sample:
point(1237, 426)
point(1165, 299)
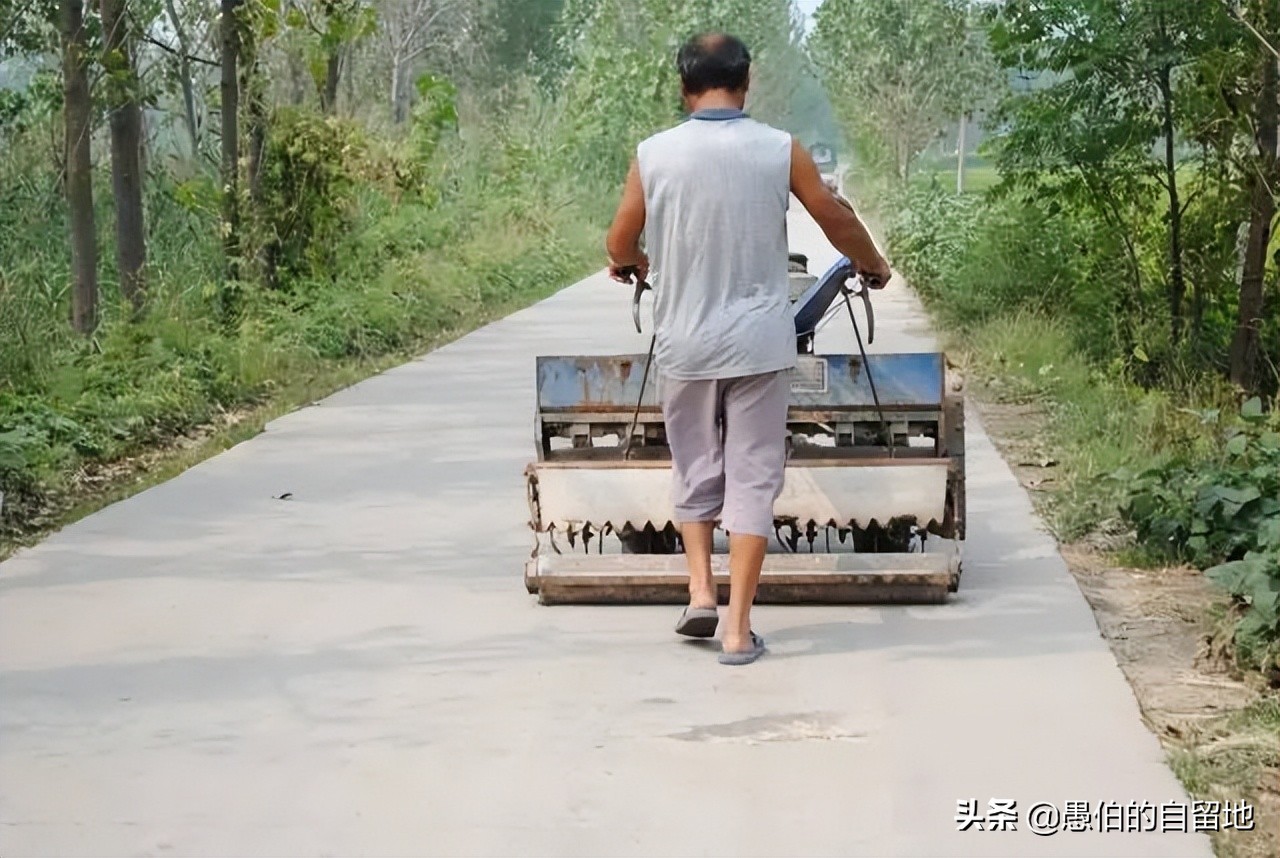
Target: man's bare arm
point(623, 240)
point(836, 217)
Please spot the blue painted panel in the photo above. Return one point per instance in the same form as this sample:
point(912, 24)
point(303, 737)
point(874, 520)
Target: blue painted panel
point(593, 383)
point(906, 380)
point(612, 382)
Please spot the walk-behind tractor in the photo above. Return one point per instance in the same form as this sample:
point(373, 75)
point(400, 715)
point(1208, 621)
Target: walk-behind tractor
point(872, 508)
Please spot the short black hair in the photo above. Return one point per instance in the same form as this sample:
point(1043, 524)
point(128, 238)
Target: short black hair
point(713, 61)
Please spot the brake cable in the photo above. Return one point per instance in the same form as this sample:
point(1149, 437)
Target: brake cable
point(866, 364)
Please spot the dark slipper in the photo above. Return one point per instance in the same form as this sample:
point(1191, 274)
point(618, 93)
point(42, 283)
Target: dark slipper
point(698, 622)
point(747, 655)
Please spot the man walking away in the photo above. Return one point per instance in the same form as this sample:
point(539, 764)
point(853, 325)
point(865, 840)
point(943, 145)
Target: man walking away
point(709, 197)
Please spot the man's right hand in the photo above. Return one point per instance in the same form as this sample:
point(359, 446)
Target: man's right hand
point(877, 274)
point(837, 219)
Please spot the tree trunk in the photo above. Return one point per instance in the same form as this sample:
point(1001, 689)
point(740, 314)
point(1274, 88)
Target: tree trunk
point(126, 149)
point(230, 38)
point(299, 83)
point(79, 182)
point(1262, 208)
point(333, 73)
point(253, 87)
point(184, 69)
point(349, 75)
point(1177, 279)
point(257, 114)
point(399, 89)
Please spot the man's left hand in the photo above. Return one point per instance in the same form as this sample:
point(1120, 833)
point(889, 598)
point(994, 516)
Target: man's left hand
point(633, 272)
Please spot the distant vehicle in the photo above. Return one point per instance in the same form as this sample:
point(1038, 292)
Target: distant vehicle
point(825, 157)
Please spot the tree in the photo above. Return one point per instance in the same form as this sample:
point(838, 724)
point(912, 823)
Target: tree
point(898, 73)
point(520, 34)
point(623, 84)
point(185, 76)
point(337, 25)
point(126, 147)
point(1264, 184)
point(229, 38)
point(77, 112)
point(411, 28)
point(1113, 75)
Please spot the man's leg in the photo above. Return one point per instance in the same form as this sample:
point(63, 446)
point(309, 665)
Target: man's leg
point(755, 452)
point(691, 412)
point(746, 558)
point(696, 536)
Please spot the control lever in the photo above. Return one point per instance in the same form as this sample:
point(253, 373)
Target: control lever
point(641, 287)
point(632, 271)
point(863, 291)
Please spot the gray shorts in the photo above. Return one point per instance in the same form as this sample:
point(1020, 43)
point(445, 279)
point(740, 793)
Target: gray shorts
point(728, 442)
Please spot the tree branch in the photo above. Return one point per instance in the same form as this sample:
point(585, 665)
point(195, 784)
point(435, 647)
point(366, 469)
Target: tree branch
point(147, 37)
point(1234, 13)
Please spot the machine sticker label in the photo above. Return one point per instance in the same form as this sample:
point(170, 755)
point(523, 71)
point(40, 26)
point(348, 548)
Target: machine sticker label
point(810, 375)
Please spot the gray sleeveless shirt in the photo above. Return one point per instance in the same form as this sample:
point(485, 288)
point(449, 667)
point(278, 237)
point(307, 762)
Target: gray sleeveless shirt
point(716, 190)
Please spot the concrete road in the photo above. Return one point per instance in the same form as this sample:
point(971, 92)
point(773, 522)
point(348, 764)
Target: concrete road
point(357, 670)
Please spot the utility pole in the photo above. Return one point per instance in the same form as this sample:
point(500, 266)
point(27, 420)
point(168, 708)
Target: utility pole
point(964, 121)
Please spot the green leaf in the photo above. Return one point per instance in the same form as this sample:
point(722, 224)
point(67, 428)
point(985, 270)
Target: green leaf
point(1141, 354)
point(1233, 499)
point(1231, 576)
point(1265, 597)
point(1237, 445)
point(1255, 630)
point(1252, 409)
point(1269, 535)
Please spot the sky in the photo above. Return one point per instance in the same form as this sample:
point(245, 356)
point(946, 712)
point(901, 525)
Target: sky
point(807, 8)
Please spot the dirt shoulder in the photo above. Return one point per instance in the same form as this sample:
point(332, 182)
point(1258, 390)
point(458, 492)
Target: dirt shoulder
point(1166, 630)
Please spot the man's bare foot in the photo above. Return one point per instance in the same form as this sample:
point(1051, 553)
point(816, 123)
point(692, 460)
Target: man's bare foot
point(737, 650)
point(702, 598)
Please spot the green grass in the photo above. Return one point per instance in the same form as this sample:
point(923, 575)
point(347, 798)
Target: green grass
point(1225, 759)
point(1096, 422)
point(978, 177)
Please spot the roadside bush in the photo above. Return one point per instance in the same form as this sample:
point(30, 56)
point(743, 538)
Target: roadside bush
point(930, 232)
point(306, 201)
point(1222, 513)
point(978, 257)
